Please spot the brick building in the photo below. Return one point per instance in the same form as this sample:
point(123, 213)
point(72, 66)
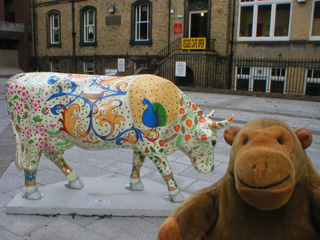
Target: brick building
point(134, 30)
point(15, 36)
point(278, 30)
point(135, 36)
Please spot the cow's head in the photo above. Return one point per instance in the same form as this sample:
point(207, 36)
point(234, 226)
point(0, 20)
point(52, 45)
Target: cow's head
point(200, 148)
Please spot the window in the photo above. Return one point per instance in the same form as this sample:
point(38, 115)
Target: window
point(315, 21)
point(262, 20)
point(140, 64)
point(53, 28)
point(141, 22)
point(88, 26)
point(88, 67)
point(55, 66)
point(312, 83)
point(260, 79)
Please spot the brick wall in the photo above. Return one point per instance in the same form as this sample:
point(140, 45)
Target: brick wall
point(298, 45)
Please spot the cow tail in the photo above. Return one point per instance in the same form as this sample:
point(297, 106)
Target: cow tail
point(18, 158)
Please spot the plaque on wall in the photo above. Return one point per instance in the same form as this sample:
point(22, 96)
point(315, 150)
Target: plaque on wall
point(113, 20)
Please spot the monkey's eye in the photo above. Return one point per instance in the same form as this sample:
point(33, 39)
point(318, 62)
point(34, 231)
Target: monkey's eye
point(280, 140)
point(245, 140)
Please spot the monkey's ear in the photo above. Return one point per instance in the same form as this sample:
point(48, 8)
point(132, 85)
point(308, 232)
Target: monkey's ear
point(304, 136)
point(230, 133)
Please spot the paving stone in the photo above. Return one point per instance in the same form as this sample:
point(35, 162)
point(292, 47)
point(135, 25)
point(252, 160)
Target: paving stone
point(123, 156)
point(62, 229)
point(121, 167)
point(6, 235)
point(4, 200)
point(20, 190)
point(9, 182)
point(22, 224)
point(191, 172)
point(87, 171)
point(156, 221)
point(184, 160)
point(197, 185)
point(183, 181)
point(46, 163)
point(14, 170)
point(47, 176)
point(130, 228)
point(80, 220)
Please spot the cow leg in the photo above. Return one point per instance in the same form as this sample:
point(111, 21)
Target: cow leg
point(135, 180)
point(74, 182)
point(165, 170)
point(31, 191)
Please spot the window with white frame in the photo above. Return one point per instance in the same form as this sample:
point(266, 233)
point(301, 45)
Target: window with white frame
point(88, 67)
point(312, 83)
point(141, 22)
point(54, 28)
point(260, 79)
point(55, 66)
point(315, 21)
point(89, 25)
point(264, 20)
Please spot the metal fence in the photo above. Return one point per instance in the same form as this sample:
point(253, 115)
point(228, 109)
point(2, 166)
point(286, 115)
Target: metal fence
point(211, 71)
point(205, 70)
point(286, 76)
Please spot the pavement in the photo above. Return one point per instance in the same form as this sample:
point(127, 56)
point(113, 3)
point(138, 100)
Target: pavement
point(117, 163)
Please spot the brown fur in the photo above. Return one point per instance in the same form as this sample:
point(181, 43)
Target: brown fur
point(270, 190)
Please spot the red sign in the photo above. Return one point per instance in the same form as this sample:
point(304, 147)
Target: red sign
point(177, 28)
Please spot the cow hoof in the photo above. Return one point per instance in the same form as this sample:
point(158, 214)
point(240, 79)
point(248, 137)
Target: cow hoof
point(138, 186)
point(176, 198)
point(74, 184)
point(34, 195)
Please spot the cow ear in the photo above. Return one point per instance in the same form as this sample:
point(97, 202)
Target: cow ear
point(230, 133)
point(304, 136)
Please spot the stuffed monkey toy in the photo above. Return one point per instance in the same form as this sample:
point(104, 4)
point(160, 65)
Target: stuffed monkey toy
point(271, 190)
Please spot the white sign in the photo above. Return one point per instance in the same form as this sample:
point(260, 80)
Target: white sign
point(181, 69)
point(111, 72)
point(121, 65)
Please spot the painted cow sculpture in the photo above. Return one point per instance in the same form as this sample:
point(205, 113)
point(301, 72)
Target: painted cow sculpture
point(52, 112)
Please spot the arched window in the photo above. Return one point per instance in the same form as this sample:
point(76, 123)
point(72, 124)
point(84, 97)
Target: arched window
point(141, 28)
point(53, 28)
point(88, 26)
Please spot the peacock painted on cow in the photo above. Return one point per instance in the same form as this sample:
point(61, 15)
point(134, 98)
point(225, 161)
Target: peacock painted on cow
point(155, 115)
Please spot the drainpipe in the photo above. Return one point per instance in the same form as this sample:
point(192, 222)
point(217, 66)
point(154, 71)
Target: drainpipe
point(169, 23)
point(169, 26)
point(232, 43)
point(34, 35)
point(74, 60)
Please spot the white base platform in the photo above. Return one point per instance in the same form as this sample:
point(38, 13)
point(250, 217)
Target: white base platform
point(100, 196)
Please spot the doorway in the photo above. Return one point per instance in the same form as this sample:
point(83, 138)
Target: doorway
point(198, 24)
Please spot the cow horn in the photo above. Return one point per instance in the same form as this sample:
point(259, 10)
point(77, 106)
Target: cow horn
point(210, 115)
point(223, 123)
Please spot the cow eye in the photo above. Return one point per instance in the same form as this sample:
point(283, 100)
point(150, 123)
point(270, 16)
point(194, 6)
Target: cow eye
point(280, 140)
point(245, 140)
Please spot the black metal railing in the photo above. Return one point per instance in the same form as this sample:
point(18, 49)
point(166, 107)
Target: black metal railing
point(175, 46)
point(287, 76)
